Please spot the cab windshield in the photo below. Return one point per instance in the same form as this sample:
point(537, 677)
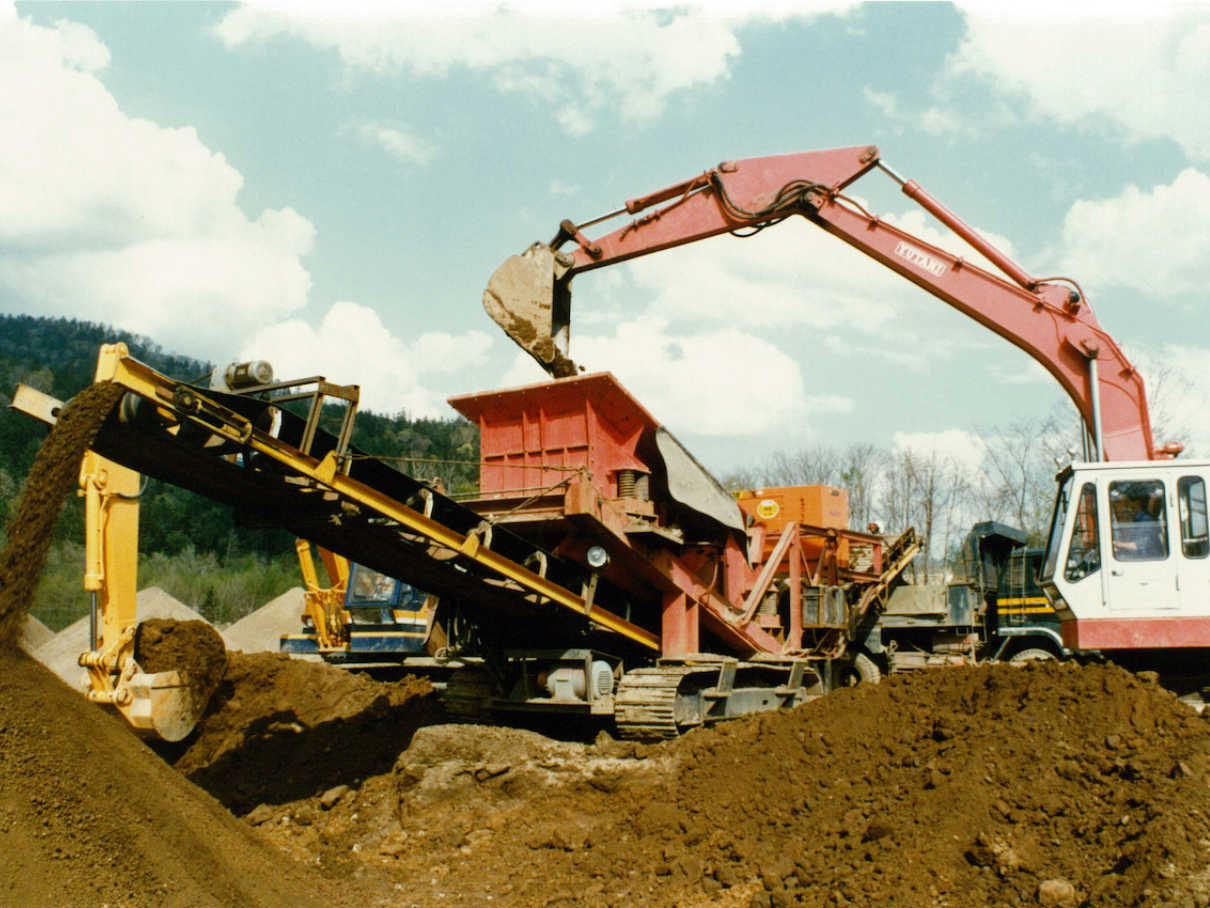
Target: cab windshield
point(1057, 520)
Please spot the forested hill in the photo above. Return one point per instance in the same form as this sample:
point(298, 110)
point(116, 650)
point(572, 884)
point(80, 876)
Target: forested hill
point(58, 356)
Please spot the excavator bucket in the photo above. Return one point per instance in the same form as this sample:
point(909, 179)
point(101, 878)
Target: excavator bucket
point(177, 666)
point(159, 674)
point(526, 298)
point(161, 705)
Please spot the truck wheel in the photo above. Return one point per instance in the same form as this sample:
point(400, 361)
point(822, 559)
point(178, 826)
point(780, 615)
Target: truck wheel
point(1032, 655)
point(861, 669)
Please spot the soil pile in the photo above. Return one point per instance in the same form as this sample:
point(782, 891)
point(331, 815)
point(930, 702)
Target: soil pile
point(192, 648)
point(261, 631)
point(999, 784)
point(279, 729)
point(89, 816)
point(33, 634)
point(55, 472)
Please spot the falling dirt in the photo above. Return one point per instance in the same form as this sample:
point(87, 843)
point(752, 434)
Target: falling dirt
point(54, 474)
point(193, 648)
point(958, 787)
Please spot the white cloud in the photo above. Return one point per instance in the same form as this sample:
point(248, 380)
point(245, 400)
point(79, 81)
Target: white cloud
point(395, 140)
point(1021, 372)
point(934, 120)
point(790, 276)
point(579, 64)
point(699, 383)
point(965, 449)
point(1178, 394)
point(119, 220)
point(885, 101)
point(1142, 67)
point(1144, 239)
point(352, 346)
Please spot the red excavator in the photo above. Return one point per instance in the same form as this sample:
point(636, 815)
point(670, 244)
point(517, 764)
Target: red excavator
point(1127, 564)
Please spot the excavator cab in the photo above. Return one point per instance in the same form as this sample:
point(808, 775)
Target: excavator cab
point(1128, 558)
point(362, 616)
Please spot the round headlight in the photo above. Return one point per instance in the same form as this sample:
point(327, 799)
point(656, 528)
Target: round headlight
point(597, 557)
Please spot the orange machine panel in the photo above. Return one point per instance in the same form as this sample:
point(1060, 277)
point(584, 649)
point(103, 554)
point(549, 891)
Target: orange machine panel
point(817, 506)
point(530, 437)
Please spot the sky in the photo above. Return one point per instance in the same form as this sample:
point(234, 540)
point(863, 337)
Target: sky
point(330, 186)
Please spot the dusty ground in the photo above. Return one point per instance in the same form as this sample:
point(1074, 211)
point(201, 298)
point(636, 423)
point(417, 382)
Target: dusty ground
point(90, 816)
point(958, 787)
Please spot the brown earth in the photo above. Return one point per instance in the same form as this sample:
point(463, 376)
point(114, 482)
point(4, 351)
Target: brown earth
point(280, 729)
point(90, 816)
point(1051, 783)
point(958, 787)
point(192, 648)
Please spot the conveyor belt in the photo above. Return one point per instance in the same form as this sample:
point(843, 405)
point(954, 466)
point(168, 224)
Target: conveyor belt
point(245, 452)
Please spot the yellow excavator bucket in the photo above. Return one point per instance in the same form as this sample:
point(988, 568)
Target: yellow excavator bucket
point(526, 298)
point(161, 705)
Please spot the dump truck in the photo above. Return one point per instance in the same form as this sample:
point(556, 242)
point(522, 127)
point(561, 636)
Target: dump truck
point(989, 608)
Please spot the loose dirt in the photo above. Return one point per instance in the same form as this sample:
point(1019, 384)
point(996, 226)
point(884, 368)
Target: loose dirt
point(193, 648)
point(55, 473)
point(279, 729)
point(957, 787)
point(1055, 784)
point(90, 816)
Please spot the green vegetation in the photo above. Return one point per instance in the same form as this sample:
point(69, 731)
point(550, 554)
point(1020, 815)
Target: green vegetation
point(190, 546)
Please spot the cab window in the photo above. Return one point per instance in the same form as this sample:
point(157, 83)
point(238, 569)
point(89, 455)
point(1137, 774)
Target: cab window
point(1054, 539)
point(369, 587)
point(1191, 502)
point(1137, 520)
point(1084, 553)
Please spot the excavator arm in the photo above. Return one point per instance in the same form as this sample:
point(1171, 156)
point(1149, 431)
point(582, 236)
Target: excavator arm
point(529, 296)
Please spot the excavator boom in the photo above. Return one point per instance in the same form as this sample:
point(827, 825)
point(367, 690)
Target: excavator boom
point(529, 296)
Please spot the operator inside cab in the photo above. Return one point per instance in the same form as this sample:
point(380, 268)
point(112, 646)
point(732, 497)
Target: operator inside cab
point(1143, 536)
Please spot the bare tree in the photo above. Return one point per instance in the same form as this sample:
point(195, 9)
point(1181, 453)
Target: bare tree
point(863, 464)
point(819, 464)
point(898, 493)
point(1019, 467)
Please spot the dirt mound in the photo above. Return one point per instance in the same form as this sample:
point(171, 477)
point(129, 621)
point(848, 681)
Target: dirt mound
point(261, 630)
point(956, 787)
point(279, 729)
point(33, 634)
point(89, 816)
point(55, 473)
point(192, 648)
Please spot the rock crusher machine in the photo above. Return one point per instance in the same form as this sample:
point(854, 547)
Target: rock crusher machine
point(600, 571)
